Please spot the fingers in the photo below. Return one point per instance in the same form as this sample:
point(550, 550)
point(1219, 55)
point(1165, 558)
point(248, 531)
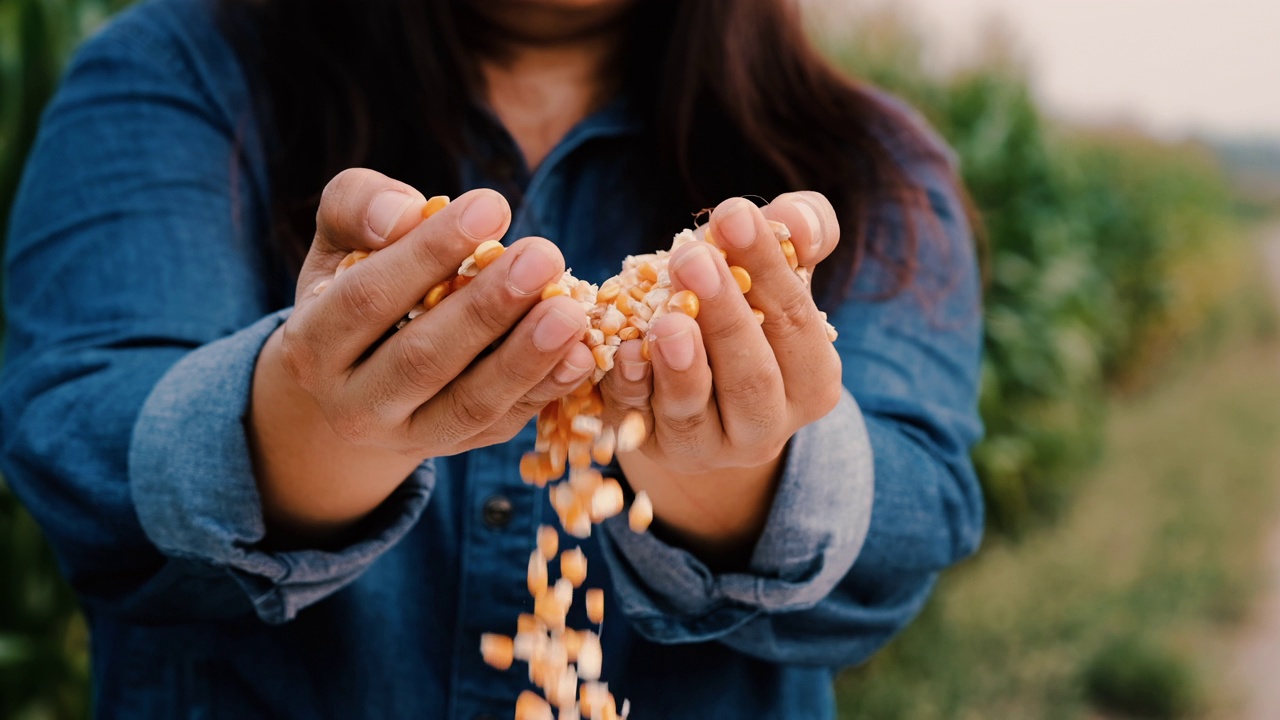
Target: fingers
point(748, 387)
point(686, 422)
point(576, 366)
point(815, 229)
point(792, 324)
point(363, 303)
point(490, 391)
point(628, 387)
point(428, 353)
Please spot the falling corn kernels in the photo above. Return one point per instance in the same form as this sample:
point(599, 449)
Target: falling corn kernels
point(570, 435)
point(497, 650)
point(537, 579)
point(573, 566)
point(631, 432)
point(548, 541)
point(641, 513)
point(595, 605)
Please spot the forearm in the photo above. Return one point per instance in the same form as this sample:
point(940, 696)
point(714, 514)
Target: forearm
point(313, 483)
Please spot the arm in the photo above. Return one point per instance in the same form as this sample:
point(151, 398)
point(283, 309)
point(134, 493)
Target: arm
point(819, 584)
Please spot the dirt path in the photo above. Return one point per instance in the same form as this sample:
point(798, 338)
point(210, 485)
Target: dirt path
point(1257, 658)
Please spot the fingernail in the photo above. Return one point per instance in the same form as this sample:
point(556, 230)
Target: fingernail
point(554, 330)
point(698, 272)
point(386, 209)
point(811, 219)
point(677, 350)
point(532, 271)
point(566, 372)
point(735, 225)
point(484, 217)
point(634, 370)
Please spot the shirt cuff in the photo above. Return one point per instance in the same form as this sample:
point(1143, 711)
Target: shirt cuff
point(815, 530)
point(192, 482)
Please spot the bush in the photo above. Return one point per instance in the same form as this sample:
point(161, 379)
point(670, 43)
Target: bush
point(1139, 678)
point(1092, 237)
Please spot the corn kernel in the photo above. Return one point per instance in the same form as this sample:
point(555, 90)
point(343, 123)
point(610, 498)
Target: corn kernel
point(552, 290)
point(759, 315)
point(487, 252)
point(631, 432)
point(497, 650)
point(684, 302)
point(459, 282)
point(537, 579)
point(641, 514)
point(595, 605)
point(321, 287)
point(349, 261)
point(607, 500)
point(434, 205)
point(603, 447)
point(526, 623)
point(436, 294)
point(531, 707)
point(590, 657)
point(742, 277)
point(573, 566)
point(789, 251)
point(548, 541)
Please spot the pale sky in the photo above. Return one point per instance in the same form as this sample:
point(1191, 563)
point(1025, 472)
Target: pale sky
point(1174, 66)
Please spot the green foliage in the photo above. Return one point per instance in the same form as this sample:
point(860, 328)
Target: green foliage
point(1140, 678)
point(43, 640)
point(1093, 240)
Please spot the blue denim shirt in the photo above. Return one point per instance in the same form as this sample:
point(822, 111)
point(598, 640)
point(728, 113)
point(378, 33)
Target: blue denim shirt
point(139, 295)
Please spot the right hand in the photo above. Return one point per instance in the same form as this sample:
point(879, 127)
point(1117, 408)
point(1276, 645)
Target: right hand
point(339, 416)
point(426, 391)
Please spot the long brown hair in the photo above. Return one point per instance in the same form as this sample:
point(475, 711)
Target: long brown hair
point(733, 94)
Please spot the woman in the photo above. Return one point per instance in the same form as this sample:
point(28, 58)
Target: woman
point(295, 513)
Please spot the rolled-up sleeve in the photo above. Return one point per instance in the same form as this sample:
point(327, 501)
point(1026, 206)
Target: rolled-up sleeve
point(193, 486)
point(139, 292)
point(874, 500)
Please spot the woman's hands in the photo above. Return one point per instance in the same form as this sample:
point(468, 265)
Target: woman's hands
point(711, 462)
point(339, 418)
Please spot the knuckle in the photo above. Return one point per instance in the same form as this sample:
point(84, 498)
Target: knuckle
point(352, 425)
point(298, 356)
point(490, 310)
point(469, 411)
point(421, 364)
point(365, 295)
point(732, 329)
point(793, 314)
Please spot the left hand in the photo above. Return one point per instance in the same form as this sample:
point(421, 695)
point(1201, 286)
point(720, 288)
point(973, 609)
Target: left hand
point(724, 394)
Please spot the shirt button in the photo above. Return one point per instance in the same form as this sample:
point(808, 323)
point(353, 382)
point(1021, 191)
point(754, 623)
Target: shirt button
point(497, 511)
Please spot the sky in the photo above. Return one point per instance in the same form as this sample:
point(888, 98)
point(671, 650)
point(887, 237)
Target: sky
point(1176, 67)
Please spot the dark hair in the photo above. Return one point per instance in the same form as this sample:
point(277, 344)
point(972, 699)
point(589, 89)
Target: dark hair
point(733, 94)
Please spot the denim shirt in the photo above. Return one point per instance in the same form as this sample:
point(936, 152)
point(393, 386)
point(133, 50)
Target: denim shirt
point(139, 294)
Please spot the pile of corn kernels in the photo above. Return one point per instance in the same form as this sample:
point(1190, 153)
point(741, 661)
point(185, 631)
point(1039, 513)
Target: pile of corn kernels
point(565, 663)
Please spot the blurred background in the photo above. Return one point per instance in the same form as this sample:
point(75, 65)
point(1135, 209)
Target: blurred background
point(1125, 156)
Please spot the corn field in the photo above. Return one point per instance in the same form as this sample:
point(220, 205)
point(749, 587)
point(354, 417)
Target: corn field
point(1100, 260)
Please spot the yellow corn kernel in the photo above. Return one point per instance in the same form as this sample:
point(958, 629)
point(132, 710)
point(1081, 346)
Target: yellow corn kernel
point(637, 292)
point(647, 272)
point(526, 623)
point(436, 294)
point(609, 291)
point(603, 355)
point(629, 332)
point(434, 205)
point(607, 500)
point(789, 250)
point(684, 302)
point(759, 315)
point(552, 290)
point(486, 252)
point(572, 643)
point(497, 650)
point(548, 541)
point(537, 579)
point(321, 287)
point(742, 277)
point(573, 566)
point(579, 452)
point(590, 657)
point(603, 447)
point(535, 468)
point(631, 432)
point(625, 304)
point(641, 514)
point(349, 261)
point(547, 608)
point(460, 281)
point(595, 605)
point(831, 332)
point(529, 706)
point(644, 349)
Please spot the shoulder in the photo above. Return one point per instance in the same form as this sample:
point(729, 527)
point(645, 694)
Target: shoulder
point(177, 44)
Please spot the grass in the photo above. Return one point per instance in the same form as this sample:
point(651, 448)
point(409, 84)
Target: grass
point(1127, 605)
